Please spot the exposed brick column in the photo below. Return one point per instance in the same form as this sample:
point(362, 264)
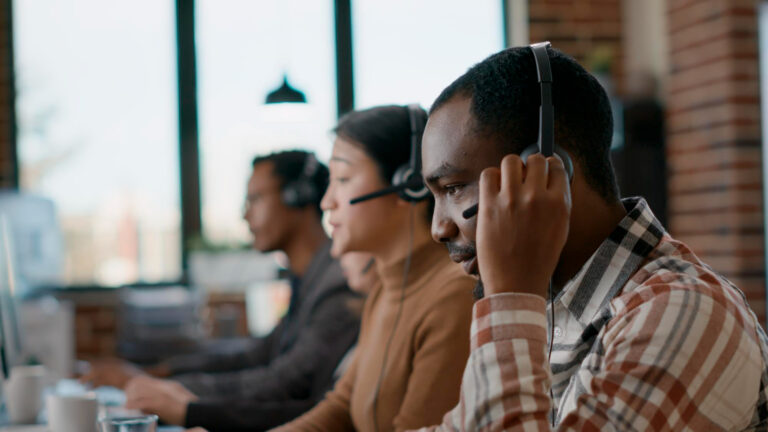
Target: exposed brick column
point(7, 119)
point(582, 29)
point(713, 138)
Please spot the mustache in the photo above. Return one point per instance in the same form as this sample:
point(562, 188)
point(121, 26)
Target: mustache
point(455, 249)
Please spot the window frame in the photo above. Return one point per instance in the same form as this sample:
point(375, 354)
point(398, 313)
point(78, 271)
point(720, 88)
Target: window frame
point(188, 132)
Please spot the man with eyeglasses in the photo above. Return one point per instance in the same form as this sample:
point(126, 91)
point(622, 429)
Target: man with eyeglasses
point(297, 359)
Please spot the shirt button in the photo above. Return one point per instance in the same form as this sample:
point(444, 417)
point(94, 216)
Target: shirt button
point(558, 332)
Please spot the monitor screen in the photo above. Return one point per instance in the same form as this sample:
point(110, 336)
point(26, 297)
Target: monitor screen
point(34, 231)
point(10, 337)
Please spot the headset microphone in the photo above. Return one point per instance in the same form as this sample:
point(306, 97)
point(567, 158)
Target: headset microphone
point(546, 140)
point(368, 266)
point(378, 193)
point(406, 182)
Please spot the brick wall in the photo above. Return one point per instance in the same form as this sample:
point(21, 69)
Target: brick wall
point(96, 319)
point(95, 331)
point(713, 138)
point(711, 92)
point(588, 30)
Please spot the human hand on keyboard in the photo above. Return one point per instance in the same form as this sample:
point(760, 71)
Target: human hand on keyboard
point(168, 399)
point(110, 372)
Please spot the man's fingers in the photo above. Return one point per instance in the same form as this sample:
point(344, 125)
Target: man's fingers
point(490, 183)
point(513, 172)
point(536, 172)
point(139, 400)
point(557, 174)
point(559, 183)
point(132, 402)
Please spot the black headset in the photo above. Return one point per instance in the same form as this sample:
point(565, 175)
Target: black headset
point(302, 191)
point(407, 181)
point(545, 143)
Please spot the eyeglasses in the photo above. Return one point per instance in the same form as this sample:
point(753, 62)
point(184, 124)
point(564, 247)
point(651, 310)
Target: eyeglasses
point(252, 199)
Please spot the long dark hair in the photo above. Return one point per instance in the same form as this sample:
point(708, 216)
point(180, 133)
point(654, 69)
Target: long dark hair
point(383, 133)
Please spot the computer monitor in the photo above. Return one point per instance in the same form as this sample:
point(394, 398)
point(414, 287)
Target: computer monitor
point(10, 332)
point(34, 231)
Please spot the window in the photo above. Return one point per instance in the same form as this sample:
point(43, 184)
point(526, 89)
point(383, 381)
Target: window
point(97, 107)
point(407, 51)
point(97, 132)
point(244, 49)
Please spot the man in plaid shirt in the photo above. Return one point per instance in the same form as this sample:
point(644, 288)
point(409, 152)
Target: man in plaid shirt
point(645, 336)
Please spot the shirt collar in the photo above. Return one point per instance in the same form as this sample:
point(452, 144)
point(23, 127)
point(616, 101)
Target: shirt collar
point(613, 263)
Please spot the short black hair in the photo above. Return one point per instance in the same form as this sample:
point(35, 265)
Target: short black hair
point(505, 98)
point(288, 166)
point(384, 134)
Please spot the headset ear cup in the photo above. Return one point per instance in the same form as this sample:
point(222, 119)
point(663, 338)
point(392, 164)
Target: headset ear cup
point(564, 156)
point(289, 195)
point(298, 194)
point(567, 162)
point(415, 190)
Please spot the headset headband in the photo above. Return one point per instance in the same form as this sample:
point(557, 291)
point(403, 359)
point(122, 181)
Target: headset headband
point(310, 166)
point(546, 140)
point(416, 132)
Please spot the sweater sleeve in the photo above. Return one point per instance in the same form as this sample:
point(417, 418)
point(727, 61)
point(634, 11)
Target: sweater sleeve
point(290, 375)
point(244, 416)
point(215, 360)
point(441, 351)
point(332, 414)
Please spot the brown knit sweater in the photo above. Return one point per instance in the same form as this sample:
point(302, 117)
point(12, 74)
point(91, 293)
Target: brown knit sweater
point(426, 357)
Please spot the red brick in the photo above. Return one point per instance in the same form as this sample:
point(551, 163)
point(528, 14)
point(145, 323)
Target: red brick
point(699, 203)
point(696, 140)
point(727, 220)
point(739, 246)
point(696, 13)
point(736, 158)
point(720, 178)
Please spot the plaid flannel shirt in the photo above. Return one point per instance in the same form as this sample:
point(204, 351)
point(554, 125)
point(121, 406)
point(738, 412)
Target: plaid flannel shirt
point(646, 337)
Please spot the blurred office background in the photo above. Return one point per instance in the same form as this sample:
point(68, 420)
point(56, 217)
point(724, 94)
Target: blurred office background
point(138, 121)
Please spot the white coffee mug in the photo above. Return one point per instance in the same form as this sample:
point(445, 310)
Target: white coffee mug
point(72, 413)
point(23, 393)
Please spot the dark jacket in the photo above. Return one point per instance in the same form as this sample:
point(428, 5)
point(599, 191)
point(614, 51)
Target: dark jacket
point(253, 416)
point(295, 362)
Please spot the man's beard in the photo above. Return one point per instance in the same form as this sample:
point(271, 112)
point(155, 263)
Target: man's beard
point(455, 249)
point(479, 291)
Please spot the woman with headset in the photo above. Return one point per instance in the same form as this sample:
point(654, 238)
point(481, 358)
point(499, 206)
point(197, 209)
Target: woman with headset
point(414, 336)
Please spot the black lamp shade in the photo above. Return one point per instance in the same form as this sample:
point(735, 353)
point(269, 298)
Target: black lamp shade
point(286, 93)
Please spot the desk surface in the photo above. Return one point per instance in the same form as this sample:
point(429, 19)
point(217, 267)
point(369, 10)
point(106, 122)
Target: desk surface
point(44, 428)
point(28, 428)
point(111, 397)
